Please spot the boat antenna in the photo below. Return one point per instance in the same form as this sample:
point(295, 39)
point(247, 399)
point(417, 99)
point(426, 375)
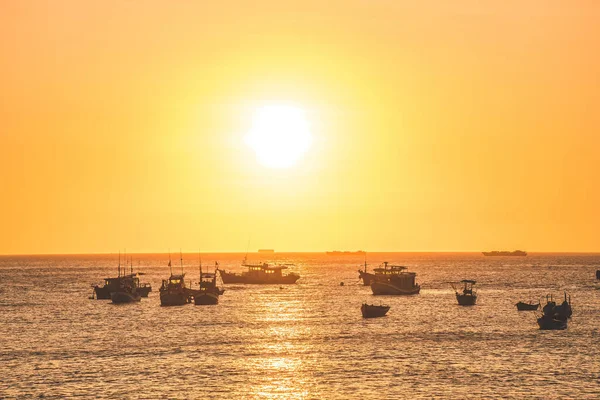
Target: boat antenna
point(131, 264)
point(119, 262)
point(181, 261)
point(365, 262)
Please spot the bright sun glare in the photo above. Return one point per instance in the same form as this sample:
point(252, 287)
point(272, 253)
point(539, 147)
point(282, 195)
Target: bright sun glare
point(279, 136)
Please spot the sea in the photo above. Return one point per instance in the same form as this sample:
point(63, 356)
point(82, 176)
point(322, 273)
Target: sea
point(301, 341)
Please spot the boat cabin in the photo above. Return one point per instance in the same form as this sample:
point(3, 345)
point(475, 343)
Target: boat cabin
point(397, 274)
point(174, 281)
point(272, 270)
point(468, 289)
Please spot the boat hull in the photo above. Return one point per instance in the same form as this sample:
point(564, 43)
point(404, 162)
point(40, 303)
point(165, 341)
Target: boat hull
point(229, 277)
point(386, 288)
point(173, 299)
point(466, 300)
point(371, 311)
point(103, 292)
point(206, 299)
point(550, 324)
point(124, 297)
point(527, 307)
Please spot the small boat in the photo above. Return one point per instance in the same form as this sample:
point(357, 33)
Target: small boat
point(260, 274)
point(394, 280)
point(208, 293)
point(521, 306)
point(173, 291)
point(373, 311)
point(468, 297)
point(598, 274)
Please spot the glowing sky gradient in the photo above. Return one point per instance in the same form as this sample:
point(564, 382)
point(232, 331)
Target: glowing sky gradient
point(436, 125)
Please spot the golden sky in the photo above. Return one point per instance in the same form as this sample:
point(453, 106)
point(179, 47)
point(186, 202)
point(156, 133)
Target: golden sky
point(436, 125)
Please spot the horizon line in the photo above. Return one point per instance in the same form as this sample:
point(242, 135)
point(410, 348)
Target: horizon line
point(293, 252)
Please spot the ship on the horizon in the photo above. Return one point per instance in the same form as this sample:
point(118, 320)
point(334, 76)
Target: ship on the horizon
point(516, 253)
point(346, 253)
point(267, 251)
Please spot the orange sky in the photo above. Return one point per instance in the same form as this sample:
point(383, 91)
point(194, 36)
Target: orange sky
point(437, 125)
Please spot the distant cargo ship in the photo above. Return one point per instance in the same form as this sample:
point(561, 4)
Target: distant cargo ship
point(516, 253)
point(346, 253)
point(269, 251)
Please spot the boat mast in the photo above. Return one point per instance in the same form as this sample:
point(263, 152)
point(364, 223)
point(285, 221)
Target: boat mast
point(181, 261)
point(200, 267)
point(119, 262)
point(170, 266)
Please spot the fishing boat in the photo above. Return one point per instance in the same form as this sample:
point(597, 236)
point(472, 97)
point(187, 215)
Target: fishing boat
point(373, 311)
point(127, 293)
point(394, 280)
point(260, 274)
point(173, 291)
point(114, 284)
point(208, 292)
point(522, 306)
point(555, 317)
point(468, 296)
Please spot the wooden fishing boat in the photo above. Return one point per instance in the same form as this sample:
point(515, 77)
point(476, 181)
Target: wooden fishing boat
point(468, 296)
point(208, 292)
point(521, 306)
point(173, 291)
point(394, 280)
point(373, 311)
point(260, 274)
point(114, 284)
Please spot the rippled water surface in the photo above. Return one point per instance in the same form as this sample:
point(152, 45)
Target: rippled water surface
point(306, 340)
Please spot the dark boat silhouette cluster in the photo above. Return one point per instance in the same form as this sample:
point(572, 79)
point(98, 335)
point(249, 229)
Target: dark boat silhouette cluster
point(386, 279)
point(555, 317)
point(125, 288)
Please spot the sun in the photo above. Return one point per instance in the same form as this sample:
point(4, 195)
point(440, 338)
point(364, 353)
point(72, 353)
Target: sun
point(279, 136)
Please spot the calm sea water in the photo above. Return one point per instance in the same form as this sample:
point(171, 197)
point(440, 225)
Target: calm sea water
point(303, 341)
